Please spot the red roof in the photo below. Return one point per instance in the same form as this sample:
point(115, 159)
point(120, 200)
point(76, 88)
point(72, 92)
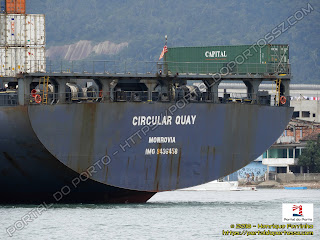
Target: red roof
point(311, 137)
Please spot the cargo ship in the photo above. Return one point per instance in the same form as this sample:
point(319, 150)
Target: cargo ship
point(76, 134)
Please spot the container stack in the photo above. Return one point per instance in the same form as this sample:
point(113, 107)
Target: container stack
point(16, 6)
point(22, 39)
point(2, 6)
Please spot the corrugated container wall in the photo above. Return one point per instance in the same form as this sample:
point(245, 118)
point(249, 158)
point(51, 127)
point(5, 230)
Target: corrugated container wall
point(16, 6)
point(22, 30)
point(14, 60)
point(35, 29)
point(212, 59)
point(12, 29)
point(2, 6)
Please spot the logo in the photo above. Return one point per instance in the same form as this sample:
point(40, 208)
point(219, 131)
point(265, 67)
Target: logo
point(215, 54)
point(297, 212)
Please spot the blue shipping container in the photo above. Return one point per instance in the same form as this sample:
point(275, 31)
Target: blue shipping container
point(2, 6)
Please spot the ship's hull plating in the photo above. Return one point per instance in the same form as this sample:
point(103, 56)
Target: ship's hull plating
point(30, 174)
point(120, 156)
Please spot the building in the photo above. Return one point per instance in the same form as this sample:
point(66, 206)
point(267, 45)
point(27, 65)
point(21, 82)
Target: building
point(305, 98)
point(284, 153)
point(306, 109)
point(253, 172)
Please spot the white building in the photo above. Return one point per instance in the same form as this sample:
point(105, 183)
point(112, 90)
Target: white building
point(305, 98)
point(284, 153)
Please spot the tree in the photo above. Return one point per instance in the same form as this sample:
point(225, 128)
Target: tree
point(310, 156)
point(144, 23)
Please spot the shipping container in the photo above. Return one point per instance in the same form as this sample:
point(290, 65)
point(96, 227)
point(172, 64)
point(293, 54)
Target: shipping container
point(22, 30)
point(35, 29)
point(2, 6)
point(12, 29)
point(16, 6)
point(16, 60)
point(228, 59)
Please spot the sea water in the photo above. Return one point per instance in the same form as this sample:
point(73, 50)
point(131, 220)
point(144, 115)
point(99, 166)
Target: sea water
point(168, 215)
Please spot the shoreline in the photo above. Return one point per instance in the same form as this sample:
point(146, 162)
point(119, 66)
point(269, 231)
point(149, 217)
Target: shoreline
point(277, 185)
point(309, 185)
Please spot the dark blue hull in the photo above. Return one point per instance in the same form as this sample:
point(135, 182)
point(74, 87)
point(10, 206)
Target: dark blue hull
point(30, 174)
point(120, 155)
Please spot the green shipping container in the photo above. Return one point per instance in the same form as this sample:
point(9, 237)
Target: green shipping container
point(243, 59)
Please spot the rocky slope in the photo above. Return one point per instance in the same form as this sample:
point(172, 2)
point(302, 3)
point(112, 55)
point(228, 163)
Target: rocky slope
point(83, 49)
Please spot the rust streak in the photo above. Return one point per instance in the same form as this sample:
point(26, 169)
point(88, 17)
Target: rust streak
point(178, 169)
point(171, 168)
point(15, 164)
point(157, 174)
point(146, 174)
point(232, 162)
point(207, 164)
point(104, 166)
point(145, 161)
point(208, 153)
point(213, 155)
point(128, 162)
point(156, 178)
point(87, 131)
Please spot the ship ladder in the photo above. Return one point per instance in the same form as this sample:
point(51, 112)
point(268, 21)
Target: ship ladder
point(45, 84)
point(278, 92)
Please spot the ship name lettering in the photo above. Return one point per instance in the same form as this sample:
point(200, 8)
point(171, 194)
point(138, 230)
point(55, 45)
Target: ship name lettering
point(186, 120)
point(163, 120)
point(151, 120)
point(162, 139)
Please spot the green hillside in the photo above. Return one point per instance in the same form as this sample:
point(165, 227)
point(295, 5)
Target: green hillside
point(144, 23)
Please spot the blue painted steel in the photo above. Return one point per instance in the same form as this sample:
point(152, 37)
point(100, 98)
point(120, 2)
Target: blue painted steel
point(30, 174)
point(295, 188)
point(223, 139)
point(44, 148)
point(2, 6)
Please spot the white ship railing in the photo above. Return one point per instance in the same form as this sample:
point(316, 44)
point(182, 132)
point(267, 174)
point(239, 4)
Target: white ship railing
point(103, 67)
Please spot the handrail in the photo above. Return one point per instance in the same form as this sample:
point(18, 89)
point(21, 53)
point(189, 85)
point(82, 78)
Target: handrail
point(103, 67)
point(9, 98)
point(144, 96)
